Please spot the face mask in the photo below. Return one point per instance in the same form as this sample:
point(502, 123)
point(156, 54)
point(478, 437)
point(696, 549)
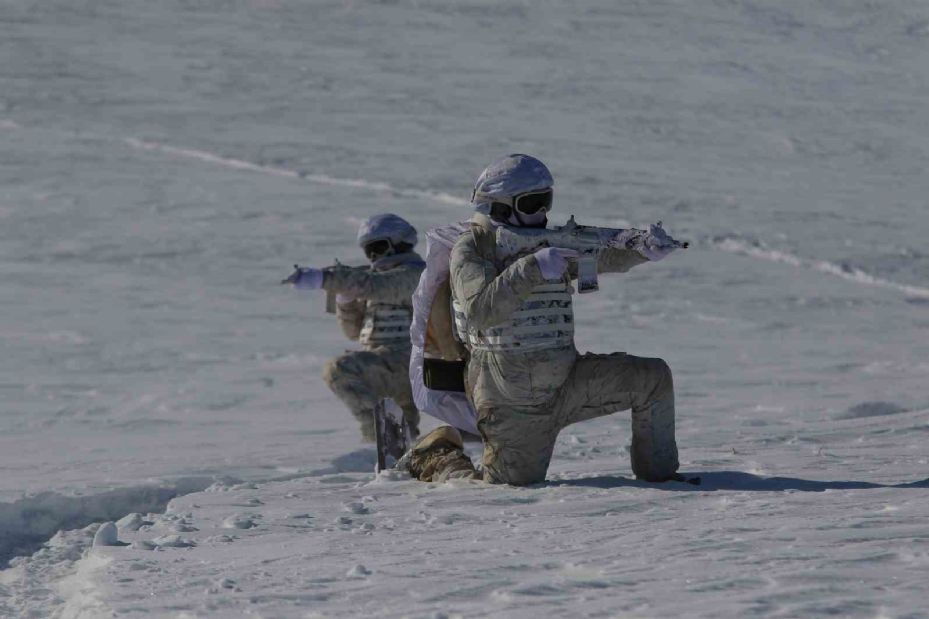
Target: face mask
point(536, 220)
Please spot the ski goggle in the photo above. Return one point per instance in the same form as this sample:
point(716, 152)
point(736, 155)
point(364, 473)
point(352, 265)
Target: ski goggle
point(378, 249)
point(531, 202)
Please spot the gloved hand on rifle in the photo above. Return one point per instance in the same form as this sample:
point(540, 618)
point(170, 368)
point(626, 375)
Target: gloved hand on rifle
point(554, 260)
point(305, 278)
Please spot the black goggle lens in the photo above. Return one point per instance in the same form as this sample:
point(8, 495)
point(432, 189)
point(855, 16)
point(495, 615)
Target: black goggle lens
point(377, 249)
point(532, 203)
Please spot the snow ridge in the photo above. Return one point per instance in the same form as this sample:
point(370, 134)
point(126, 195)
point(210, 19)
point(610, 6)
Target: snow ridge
point(28, 523)
point(755, 249)
point(321, 179)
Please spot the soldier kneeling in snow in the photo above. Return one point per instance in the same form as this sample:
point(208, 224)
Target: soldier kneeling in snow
point(524, 377)
point(373, 307)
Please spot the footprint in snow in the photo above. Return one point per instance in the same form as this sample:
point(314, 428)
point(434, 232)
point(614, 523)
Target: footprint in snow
point(359, 571)
point(223, 584)
point(871, 409)
point(220, 539)
point(173, 541)
point(240, 521)
point(344, 522)
point(365, 528)
point(356, 507)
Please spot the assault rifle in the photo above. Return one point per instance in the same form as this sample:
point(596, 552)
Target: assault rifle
point(294, 277)
point(589, 241)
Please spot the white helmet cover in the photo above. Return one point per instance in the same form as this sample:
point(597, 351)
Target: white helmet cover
point(508, 177)
point(386, 226)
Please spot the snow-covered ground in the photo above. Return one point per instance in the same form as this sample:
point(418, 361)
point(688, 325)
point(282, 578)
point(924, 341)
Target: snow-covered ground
point(162, 164)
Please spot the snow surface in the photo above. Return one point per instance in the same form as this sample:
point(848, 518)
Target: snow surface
point(163, 164)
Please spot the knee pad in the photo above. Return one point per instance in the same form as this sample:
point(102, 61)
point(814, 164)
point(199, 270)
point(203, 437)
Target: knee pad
point(337, 369)
point(663, 380)
point(654, 448)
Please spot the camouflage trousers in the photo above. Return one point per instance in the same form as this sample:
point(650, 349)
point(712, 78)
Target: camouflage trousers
point(518, 441)
point(361, 378)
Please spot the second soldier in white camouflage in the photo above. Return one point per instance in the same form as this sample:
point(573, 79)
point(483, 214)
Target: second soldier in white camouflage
point(373, 307)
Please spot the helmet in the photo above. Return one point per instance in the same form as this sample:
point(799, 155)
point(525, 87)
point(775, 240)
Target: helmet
point(502, 185)
point(511, 176)
point(386, 227)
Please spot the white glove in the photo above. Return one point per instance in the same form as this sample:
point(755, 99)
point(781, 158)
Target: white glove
point(553, 261)
point(657, 244)
point(343, 297)
point(310, 279)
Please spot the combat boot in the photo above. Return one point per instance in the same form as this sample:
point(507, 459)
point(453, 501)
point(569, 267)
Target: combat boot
point(439, 456)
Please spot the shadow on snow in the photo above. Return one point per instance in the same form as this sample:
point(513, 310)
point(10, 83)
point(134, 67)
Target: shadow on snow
point(732, 480)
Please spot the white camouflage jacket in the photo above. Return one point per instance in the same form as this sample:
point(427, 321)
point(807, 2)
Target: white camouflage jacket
point(380, 310)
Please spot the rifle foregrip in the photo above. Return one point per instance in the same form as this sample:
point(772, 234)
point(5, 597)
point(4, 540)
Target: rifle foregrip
point(587, 274)
point(330, 302)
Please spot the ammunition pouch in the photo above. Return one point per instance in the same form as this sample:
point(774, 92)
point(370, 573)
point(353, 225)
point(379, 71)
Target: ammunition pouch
point(444, 375)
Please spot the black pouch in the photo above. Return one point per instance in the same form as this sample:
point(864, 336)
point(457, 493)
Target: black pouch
point(444, 375)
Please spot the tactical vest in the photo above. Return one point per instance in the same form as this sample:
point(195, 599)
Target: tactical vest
point(544, 320)
point(385, 324)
